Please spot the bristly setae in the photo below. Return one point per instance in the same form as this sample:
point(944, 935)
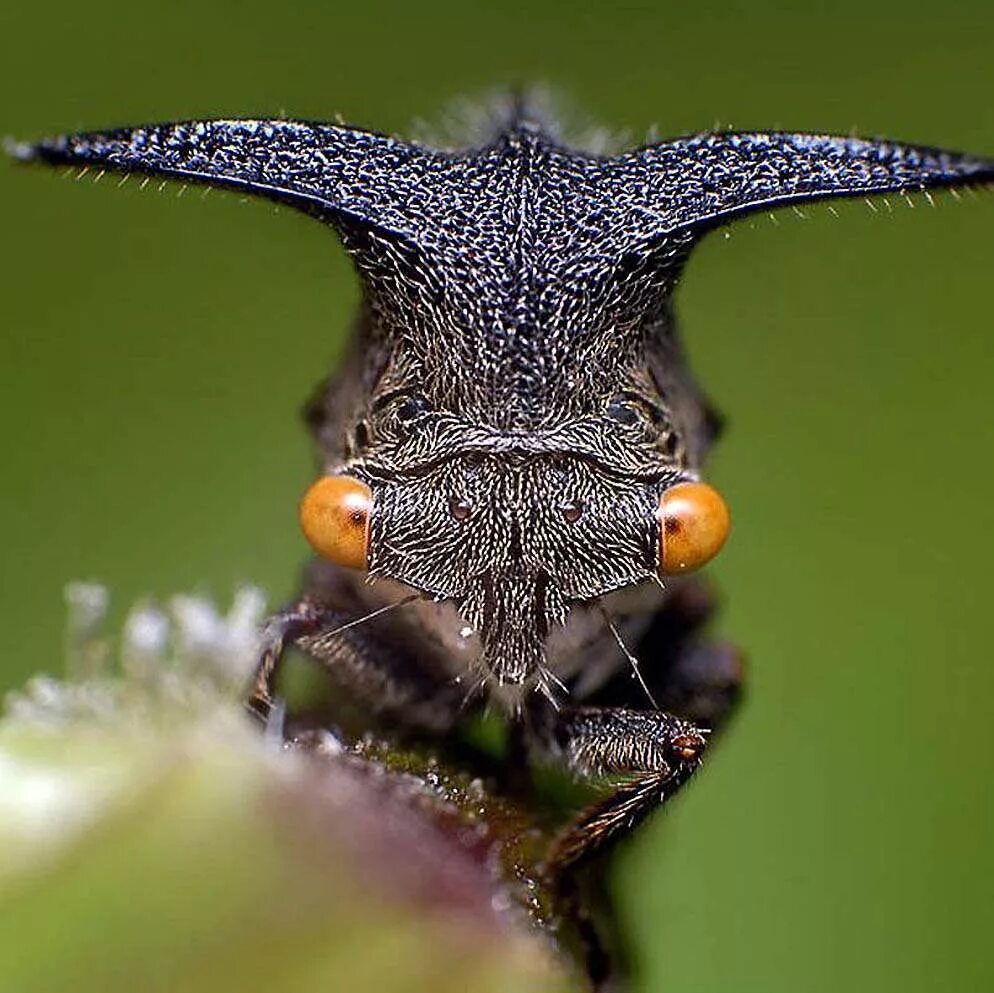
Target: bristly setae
point(515, 436)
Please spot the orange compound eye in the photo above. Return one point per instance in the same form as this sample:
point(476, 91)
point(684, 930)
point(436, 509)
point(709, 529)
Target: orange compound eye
point(334, 516)
point(693, 525)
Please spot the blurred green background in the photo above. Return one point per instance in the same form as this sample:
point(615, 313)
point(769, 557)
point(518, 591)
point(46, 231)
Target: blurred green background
point(155, 351)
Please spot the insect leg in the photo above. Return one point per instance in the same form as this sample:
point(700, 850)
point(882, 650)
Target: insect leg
point(653, 754)
point(367, 649)
point(279, 630)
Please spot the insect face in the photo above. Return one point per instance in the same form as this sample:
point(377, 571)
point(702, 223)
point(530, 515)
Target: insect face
point(514, 538)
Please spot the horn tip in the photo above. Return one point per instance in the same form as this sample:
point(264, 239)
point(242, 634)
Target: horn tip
point(52, 150)
point(20, 151)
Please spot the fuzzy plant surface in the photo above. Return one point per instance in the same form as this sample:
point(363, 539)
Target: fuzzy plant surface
point(155, 838)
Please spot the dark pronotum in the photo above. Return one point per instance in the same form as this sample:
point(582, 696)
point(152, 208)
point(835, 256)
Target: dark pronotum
point(515, 434)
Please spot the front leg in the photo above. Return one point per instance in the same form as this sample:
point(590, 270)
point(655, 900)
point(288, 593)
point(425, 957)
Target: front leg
point(654, 752)
point(279, 631)
point(371, 649)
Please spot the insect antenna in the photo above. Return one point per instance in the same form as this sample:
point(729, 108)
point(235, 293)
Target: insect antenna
point(632, 661)
point(402, 602)
point(652, 576)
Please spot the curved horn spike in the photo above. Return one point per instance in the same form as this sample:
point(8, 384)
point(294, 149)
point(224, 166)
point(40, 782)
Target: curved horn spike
point(326, 170)
point(707, 180)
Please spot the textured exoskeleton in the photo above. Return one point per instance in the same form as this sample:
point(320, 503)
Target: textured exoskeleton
point(517, 408)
